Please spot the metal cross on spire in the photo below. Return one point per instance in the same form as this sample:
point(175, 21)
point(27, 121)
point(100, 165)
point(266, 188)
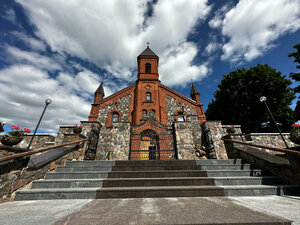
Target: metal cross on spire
point(148, 44)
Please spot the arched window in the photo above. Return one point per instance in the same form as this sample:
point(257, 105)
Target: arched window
point(144, 114)
point(180, 116)
point(115, 118)
point(147, 68)
point(152, 114)
point(148, 97)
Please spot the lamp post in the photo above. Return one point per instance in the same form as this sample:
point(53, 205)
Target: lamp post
point(47, 101)
point(264, 100)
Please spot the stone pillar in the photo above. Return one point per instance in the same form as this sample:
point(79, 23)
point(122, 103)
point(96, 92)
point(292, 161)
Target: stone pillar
point(184, 140)
point(114, 141)
point(213, 133)
point(91, 130)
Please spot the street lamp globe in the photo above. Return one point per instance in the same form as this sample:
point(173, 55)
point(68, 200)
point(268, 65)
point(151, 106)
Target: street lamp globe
point(48, 101)
point(263, 99)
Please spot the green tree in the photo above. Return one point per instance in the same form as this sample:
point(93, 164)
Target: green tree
point(237, 100)
point(296, 76)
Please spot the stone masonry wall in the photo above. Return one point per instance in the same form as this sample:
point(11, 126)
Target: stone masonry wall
point(39, 141)
point(115, 140)
point(217, 132)
point(271, 139)
point(187, 134)
point(15, 175)
point(122, 105)
point(173, 105)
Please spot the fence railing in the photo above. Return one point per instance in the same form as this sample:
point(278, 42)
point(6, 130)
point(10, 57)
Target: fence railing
point(19, 155)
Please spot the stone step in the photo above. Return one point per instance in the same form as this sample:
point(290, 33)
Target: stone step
point(155, 168)
point(148, 174)
point(88, 163)
point(77, 175)
point(180, 173)
point(236, 173)
point(56, 193)
point(83, 169)
point(146, 192)
point(151, 162)
point(181, 167)
point(186, 191)
point(188, 181)
point(132, 182)
point(154, 162)
point(154, 192)
point(67, 183)
point(218, 161)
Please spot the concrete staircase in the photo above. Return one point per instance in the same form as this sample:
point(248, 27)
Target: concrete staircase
point(146, 179)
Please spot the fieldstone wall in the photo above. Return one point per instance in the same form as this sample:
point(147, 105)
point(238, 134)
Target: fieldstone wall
point(122, 105)
point(39, 141)
point(115, 141)
point(187, 134)
point(217, 131)
point(173, 105)
point(14, 175)
point(271, 139)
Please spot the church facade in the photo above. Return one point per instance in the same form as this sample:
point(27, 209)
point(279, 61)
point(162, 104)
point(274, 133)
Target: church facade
point(147, 120)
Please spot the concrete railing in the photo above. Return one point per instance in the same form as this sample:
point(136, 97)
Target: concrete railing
point(287, 166)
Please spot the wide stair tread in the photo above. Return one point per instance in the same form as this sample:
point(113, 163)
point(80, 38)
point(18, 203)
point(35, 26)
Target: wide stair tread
point(142, 179)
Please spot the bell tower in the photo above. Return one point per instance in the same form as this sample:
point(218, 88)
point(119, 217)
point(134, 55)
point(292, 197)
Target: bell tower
point(147, 65)
point(146, 98)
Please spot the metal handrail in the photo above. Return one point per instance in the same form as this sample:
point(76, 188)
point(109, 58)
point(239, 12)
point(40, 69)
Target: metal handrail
point(19, 155)
point(288, 151)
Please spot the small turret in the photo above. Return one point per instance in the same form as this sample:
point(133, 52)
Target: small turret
point(99, 94)
point(195, 94)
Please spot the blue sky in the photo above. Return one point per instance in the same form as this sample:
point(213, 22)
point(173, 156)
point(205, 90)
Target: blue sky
point(63, 49)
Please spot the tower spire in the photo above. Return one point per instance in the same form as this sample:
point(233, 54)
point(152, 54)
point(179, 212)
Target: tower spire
point(100, 89)
point(194, 90)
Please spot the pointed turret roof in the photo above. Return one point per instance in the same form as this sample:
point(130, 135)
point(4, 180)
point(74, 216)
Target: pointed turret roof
point(148, 52)
point(194, 90)
point(100, 89)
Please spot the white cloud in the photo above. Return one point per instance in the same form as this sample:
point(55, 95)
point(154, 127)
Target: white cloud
point(217, 21)
point(176, 66)
point(10, 15)
point(112, 33)
point(253, 26)
point(40, 61)
point(211, 47)
point(23, 89)
point(33, 43)
point(109, 34)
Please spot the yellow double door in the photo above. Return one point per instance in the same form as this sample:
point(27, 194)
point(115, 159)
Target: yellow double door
point(145, 146)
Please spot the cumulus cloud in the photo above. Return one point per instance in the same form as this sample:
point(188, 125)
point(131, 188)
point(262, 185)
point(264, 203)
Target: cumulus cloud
point(217, 20)
point(176, 67)
point(25, 87)
point(252, 27)
point(112, 34)
point(108, 34)
point(19, 56)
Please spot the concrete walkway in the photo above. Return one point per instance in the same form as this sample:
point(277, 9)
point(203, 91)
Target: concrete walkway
point(208, 210)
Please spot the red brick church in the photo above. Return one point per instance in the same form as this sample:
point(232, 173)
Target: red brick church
point(147, 120)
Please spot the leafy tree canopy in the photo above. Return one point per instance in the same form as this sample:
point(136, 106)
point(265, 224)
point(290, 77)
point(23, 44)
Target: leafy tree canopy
point(237, 100)
point(296, 76)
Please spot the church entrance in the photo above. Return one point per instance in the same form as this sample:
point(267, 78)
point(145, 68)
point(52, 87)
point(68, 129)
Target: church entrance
point(151, 145)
